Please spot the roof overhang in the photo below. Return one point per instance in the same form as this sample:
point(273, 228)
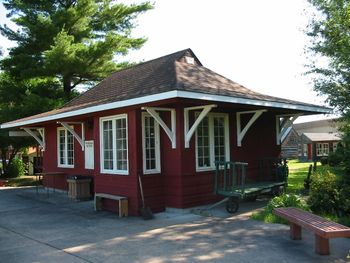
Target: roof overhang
point(169, 95)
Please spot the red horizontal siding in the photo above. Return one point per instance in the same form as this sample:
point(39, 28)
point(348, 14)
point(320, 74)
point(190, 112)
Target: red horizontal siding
point(178, 184)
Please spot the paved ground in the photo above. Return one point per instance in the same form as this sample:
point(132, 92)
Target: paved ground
point(38, 228)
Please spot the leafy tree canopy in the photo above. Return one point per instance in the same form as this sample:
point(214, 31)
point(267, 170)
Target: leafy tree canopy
point(74, 40)
point(330, 42)
point(23, 98)
point(330, 34)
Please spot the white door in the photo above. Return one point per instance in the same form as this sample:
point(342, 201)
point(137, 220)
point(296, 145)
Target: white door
point(89, 154)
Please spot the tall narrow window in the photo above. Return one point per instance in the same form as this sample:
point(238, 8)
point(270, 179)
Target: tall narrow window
point(335, 144)
point(219, 139)
point(203, 146)
point(121, 144)
point(108, 145)
point(151, 152)
point(212, 142)
point(65, 142)
point(114, 144)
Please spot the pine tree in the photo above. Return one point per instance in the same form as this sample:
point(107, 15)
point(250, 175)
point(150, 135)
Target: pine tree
point(74, 40)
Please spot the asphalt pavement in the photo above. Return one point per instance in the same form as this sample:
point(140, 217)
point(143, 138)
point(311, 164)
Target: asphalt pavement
point(37, 227)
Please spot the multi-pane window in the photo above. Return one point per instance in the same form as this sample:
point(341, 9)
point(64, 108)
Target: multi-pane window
point(151, 155)
point(212, 141)
point(322, 149)
point(108, 145)
point(65, 141)
point(203, 145)
point(114, 144)
point(219, 139)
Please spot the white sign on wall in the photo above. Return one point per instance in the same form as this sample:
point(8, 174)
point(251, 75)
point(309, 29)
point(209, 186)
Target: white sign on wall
point(89, 154)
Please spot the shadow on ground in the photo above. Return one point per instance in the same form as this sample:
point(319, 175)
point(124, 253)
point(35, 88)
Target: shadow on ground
point(41, 228)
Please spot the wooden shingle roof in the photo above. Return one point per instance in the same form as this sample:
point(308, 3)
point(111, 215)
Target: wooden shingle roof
point(174, 72)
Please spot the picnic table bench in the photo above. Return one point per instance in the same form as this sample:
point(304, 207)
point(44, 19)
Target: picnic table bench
point(122, 200)
point(323, 228)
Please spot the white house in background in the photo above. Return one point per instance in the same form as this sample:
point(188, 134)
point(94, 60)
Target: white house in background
point(311, 140)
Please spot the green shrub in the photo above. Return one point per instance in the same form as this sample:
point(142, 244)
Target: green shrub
point(344, 200)
point(324, 160)
point(285, 200)
point(16, 168)
point(335, 158)
point(324, 195)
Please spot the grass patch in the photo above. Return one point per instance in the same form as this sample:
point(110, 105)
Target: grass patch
point(21, 181)
point(297, 165)
point(267, 217)
point(297, 174)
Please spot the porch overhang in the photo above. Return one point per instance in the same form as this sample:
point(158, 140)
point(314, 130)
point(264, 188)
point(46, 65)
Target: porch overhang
point(66, 113)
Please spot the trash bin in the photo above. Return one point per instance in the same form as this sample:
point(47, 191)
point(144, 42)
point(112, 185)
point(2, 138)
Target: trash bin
point(79, 187)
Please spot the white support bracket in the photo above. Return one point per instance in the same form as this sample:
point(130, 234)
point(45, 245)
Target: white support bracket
point(81, 139)
point(283, 123)
point(38, 135)
point(171, 133)
point(242, 132)
point(190, 131)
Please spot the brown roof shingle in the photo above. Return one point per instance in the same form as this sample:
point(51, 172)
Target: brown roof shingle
point(156, 76)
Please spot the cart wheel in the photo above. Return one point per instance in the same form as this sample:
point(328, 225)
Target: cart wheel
point(232, 205)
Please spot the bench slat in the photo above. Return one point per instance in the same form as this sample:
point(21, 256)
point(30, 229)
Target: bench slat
point(122, 200)
point(313, 222)
point(109, 196)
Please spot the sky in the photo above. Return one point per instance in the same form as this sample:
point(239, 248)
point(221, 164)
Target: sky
point(259, 44)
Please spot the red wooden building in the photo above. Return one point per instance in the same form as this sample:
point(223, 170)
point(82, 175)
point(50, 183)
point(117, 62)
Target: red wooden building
point(167, 120)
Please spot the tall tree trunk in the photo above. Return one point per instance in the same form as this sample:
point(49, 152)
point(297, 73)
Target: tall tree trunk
point(67, 86)
point(3, 160)
point(7, 162)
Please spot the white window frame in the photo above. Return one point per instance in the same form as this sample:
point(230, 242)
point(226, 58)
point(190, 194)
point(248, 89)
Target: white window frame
point(114, 170)
point(157, 145)
point(65, 165)
point(305, 150)
point(210, 117)
point(321, 149)
point(334, 146)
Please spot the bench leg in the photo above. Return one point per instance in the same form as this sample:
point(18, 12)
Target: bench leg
point(123, 207)
point(98, 203)
point(321, 245)
point(295, 231)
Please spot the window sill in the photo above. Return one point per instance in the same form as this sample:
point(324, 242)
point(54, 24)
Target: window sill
point(151, 172)
point(107, 172)
point(65, 166)
point(207, 169)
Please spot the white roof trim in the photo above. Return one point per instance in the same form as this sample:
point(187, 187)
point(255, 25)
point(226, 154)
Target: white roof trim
point(163, 96)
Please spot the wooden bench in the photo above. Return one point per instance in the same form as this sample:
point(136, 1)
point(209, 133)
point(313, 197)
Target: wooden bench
point(323, 228)
point(122, 200)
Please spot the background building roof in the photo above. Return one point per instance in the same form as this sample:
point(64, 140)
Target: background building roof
point(320, 136)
